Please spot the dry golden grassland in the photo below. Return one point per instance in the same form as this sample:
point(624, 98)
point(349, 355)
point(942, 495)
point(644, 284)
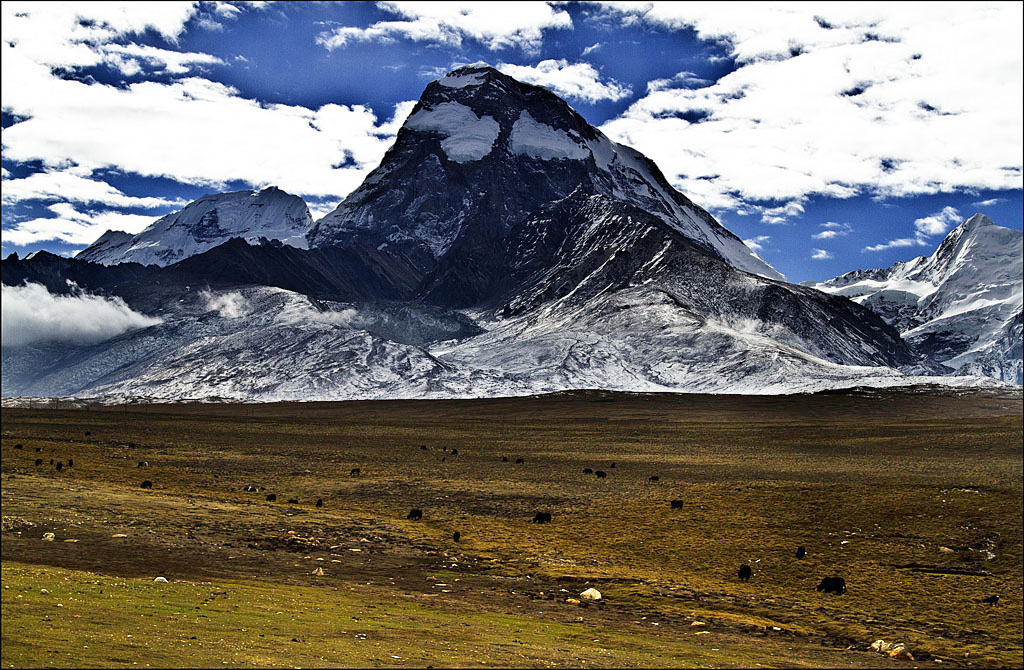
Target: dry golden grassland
point(913, 498)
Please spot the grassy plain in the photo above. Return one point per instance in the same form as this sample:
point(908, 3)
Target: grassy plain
point(913, 498)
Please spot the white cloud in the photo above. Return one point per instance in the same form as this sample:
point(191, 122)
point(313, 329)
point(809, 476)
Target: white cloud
point(821, 255)
point(187, 129)
point(782, 213)
point(128, 58)
point(230, 305)
point(877, 101)
point(938, 223)
point(902, 242)
point(684, 79)
point(71, 186)
point(495, 24)
point(833, 230)
point(302, 313)
point(591, 49)
point(924, 228)
point(988, 203)
point(31, 315)
point(72, 226)
point(207, 134)
point(580, 81)
point(67, 34)
point(756, 244)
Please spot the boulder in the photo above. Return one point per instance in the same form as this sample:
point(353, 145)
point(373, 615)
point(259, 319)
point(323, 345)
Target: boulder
point(49, 537)
point(892, 649)
point(160, 580)
point(591, 594)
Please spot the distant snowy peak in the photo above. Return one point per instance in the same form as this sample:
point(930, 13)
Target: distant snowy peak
point(481, 151)
point(206, 223)
point(961, 305)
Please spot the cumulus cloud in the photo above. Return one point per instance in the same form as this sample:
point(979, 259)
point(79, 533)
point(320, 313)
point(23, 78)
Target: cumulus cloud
point(821, 255)
point(73, 186)
point(580, 81)
point(495, 24)
point(938, 223)
point(782, 213)
point(924, 229)
point(756, 244)
point(832, 230)
point(73, 226)
point(32, 315)
point(837, 100)
point(209, 134)
point(892, 244)
point(230, 305)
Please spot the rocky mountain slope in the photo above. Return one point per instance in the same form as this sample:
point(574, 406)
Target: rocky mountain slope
point(961, 306)
point(206, 223)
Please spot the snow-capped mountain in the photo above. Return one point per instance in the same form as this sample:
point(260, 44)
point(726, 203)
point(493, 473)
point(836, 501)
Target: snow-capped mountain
point(503, 247)
point(961, 306)
point(206, 223)
point(479, 153)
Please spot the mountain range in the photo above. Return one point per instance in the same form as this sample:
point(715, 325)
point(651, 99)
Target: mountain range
point(504, 246)
point(961, 306)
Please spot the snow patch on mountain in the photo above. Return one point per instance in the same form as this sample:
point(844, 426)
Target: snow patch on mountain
point(461, 79)
point(540, 140)
point(468, 137)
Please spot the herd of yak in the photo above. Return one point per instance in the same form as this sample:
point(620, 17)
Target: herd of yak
point(835, 585)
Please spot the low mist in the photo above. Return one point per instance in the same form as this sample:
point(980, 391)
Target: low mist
point(31, 315)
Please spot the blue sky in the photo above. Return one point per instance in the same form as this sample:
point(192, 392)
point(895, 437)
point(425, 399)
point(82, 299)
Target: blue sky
point(831, 137)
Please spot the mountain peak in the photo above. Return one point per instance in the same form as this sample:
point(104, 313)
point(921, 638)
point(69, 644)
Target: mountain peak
point(977, 221)
point(479, 153)
point(205, 223)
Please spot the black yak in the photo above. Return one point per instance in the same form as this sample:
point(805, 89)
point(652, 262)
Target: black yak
point(319, 502)
point(744, 573)
point(601, 474)
point(835, 585)
point(542, 517)
point(272, 497)
point(146, 484)
point(800, 552)
point(676, 504)
point(415, 515)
